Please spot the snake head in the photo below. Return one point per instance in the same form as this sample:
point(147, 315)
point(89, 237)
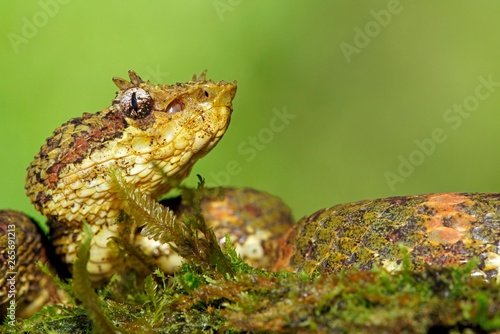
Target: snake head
point(182, 122)
point(170, 126)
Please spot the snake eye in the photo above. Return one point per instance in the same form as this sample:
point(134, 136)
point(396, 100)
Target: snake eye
point(136, 103)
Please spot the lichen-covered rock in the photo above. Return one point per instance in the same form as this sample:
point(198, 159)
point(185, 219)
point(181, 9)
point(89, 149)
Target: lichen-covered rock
point(436, 229)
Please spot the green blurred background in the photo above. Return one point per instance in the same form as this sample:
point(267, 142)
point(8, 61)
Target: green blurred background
point(363, 81)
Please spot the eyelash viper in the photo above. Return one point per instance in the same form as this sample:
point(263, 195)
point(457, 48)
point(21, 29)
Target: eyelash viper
point(169, 127)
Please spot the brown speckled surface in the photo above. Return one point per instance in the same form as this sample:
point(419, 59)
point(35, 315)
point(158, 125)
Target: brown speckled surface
point(436, 229)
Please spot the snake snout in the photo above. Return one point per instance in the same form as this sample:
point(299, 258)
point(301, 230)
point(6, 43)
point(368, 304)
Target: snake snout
point(225, 95)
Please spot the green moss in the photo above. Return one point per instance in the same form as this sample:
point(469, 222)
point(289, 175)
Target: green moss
point(353, 301)
point(216, 292)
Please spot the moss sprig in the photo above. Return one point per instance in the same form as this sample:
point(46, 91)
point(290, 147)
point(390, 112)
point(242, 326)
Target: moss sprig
point(159, 223)
point(82, 286)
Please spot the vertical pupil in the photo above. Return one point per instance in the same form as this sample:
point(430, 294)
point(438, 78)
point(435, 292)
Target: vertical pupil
point(135, 105)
